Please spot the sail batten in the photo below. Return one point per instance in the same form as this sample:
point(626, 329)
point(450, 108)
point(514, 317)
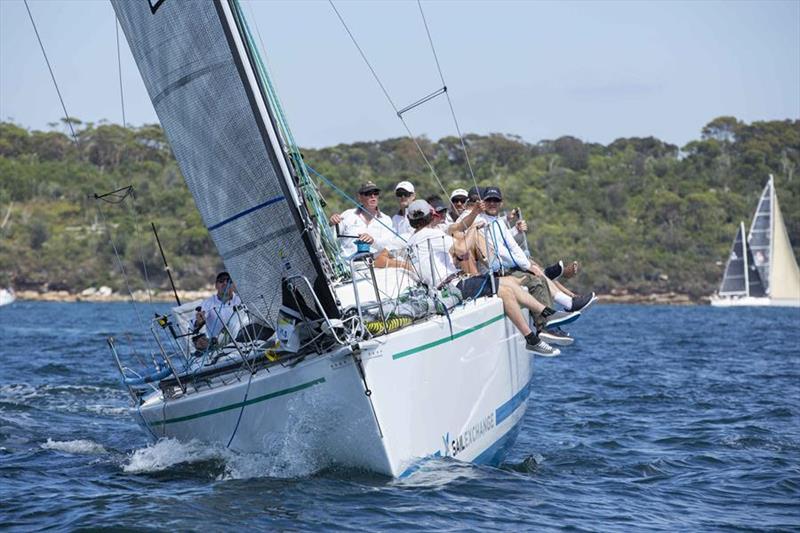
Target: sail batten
point(195, 67)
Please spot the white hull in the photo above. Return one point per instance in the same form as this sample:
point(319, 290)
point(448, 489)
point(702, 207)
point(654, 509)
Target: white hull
point(7, 297)
point(749, 301)
point(431, 395)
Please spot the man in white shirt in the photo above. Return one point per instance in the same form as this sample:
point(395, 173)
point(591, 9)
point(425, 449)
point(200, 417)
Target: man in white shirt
point(508, 256)
point(405, 193)
point(430, 251)
point(216, 311)
point(366, 223)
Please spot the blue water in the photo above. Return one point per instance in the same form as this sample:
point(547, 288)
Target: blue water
point(658, 418)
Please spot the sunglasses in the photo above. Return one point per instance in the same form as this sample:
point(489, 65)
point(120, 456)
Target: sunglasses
point(492, 200)
point(459, 200)
point(403, 194)
point(371, 193)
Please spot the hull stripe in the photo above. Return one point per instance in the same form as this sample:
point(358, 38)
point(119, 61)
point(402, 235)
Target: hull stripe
point(238, 405)
point(455, 336)
point(505, 410)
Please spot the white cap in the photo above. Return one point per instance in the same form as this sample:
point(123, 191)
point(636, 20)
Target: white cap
point(405, 185)
point(419, 209)
point(459, 192)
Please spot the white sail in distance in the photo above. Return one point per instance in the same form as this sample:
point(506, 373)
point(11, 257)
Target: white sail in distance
point(205, 90)
point(784, 274)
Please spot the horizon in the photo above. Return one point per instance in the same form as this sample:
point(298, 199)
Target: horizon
point(595, 71)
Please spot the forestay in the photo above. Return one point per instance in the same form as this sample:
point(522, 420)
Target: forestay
point(206, 93)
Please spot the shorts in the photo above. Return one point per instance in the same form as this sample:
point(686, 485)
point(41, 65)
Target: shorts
point(475, 286)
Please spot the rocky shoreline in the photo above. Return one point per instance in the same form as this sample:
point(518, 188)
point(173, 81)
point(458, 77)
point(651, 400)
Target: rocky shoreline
point(105, 294)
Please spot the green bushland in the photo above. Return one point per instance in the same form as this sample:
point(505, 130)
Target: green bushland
point(641, 214)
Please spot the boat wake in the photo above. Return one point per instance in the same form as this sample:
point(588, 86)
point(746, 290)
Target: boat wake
point(170, 455)
point(77, 447)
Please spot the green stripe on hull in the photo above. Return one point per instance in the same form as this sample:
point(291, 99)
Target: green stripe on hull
point(251, 401)
point(455, 336)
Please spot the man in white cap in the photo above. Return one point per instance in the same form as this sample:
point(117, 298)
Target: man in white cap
point(458, 202)
point(405, 193)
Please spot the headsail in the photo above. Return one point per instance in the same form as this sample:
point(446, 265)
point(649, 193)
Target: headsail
point(205, 90)
point(784, 274)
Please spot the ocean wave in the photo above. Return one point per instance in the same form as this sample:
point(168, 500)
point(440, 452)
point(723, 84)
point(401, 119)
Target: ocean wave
point(78, 447)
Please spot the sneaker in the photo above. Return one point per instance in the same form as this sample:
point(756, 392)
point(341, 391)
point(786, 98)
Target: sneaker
point(561, 318)
point(543, 349)
point(554, 271)
point(556, 336)
point(581, 302)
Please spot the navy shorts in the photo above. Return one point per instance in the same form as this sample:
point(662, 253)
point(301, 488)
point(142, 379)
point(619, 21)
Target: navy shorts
point(475, 286)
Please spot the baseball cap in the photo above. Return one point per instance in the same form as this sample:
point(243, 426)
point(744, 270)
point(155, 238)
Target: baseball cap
point(405, 185)
point(458, 192)
point(438, 205)
point(474, 193)
point(492, 192)
point(368, 186)
point(419, 209)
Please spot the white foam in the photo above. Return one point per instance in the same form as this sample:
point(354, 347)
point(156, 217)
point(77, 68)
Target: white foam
point(80, 446)
point(166, 453)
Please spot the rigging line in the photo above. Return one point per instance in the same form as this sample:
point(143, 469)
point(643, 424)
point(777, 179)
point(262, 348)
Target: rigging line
point(351, 199)
point(363, 56)
point(133, 209)
point(121, 267)
point(119, 69)
point(389, 98)
point(64, 107)
point(449, 101)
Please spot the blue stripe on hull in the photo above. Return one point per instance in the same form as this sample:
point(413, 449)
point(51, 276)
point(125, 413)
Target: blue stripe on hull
point(494, 454)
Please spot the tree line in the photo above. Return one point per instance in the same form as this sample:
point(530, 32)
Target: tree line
point(641, 214)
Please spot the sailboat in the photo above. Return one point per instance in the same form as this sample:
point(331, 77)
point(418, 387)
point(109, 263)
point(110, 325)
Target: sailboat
point(359, 366)
point(762, 269)
point(7, 296)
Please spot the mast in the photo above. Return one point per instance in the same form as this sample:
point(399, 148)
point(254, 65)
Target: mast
point(245, 60)
point(744, 258)
point(772, 199)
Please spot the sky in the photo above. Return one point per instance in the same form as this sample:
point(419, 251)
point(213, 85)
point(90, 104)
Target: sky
point(595, 70)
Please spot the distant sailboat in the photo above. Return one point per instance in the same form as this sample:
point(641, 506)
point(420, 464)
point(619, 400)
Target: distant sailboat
point(762, 269)
point(7, 296)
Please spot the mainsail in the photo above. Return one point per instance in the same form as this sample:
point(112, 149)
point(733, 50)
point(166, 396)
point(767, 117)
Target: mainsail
point(760, 237)
point(741, 275)
point(206, 92)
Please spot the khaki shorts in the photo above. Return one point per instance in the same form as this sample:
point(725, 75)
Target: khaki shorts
point(538, 288)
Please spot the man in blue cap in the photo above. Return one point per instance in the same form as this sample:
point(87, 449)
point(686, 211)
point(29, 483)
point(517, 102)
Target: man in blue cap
point(509, 257)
